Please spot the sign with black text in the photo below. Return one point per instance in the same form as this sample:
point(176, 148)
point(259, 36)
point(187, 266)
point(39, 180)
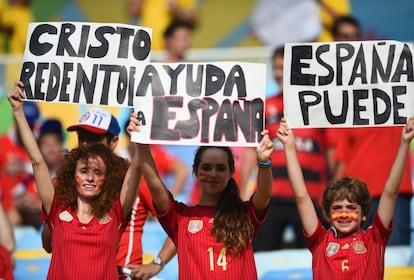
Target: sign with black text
point(86, 63)
point(348, 84)
point(217, 103)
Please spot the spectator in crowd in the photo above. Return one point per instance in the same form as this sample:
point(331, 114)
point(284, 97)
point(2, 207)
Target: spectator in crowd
point(15, 166)
point(329, 11)
point(7, 246)
point(346, 251)
point(221, 224)
point(15, 17)
point(346, 28)
point(86, 208)
point(312, 152)
point(158, 14)
point(177, 41)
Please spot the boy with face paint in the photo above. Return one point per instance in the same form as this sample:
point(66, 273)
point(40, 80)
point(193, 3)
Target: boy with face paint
point(345, 251)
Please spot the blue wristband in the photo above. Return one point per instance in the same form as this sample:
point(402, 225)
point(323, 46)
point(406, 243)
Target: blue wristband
point(266, 164)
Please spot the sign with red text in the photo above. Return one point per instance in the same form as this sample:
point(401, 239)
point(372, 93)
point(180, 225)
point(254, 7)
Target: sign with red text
point(348, 84)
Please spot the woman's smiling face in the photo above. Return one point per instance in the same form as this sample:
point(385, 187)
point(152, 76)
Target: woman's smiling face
point(90, 175)
point(213, 172)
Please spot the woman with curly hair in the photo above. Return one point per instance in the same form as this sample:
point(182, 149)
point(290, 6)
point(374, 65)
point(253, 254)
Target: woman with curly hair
point(85, 207)
point(213, 238)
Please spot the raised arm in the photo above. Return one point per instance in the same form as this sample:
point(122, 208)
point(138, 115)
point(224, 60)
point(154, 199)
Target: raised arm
point(129, 188)
point(389, 194)
point(304, 202)
point(248, 164)
point(159, 192)
point(261, 197)
point(41, 172)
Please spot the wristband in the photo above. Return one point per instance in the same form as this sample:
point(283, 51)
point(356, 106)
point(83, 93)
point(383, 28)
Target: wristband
point(266, 164)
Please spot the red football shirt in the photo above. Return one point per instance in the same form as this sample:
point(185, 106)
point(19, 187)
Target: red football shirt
point(355, 257)
point(200, 256)
point(84, 251)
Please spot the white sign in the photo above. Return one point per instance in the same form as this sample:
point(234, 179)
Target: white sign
point(218, 103)
point(87, 63)
point(348, 84)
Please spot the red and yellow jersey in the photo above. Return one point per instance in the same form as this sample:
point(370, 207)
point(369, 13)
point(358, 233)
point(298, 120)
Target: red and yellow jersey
point(200, 256)
point(355, 257)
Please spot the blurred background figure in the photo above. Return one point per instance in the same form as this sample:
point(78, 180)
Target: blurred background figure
point(15, 166)
point(346, 28)
point(15, 16)
point(158, 14)
point(7, 246)
point(177, 41)
point(272, 21)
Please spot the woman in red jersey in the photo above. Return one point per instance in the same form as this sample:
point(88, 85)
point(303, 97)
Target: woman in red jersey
point(213, 238)
point(345, 251)
point(87, 209)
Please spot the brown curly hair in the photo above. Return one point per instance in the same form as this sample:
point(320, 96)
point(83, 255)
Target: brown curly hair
point(116, 168)
point(349, 188)
point(232, 225)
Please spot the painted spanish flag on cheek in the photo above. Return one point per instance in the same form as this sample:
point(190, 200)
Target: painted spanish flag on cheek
point(99, 182)
point(336, 215)
point(202, 176)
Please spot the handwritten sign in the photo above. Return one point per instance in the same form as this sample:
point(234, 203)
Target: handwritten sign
point(216, 103)
point(348, 84)
point(87, 63)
